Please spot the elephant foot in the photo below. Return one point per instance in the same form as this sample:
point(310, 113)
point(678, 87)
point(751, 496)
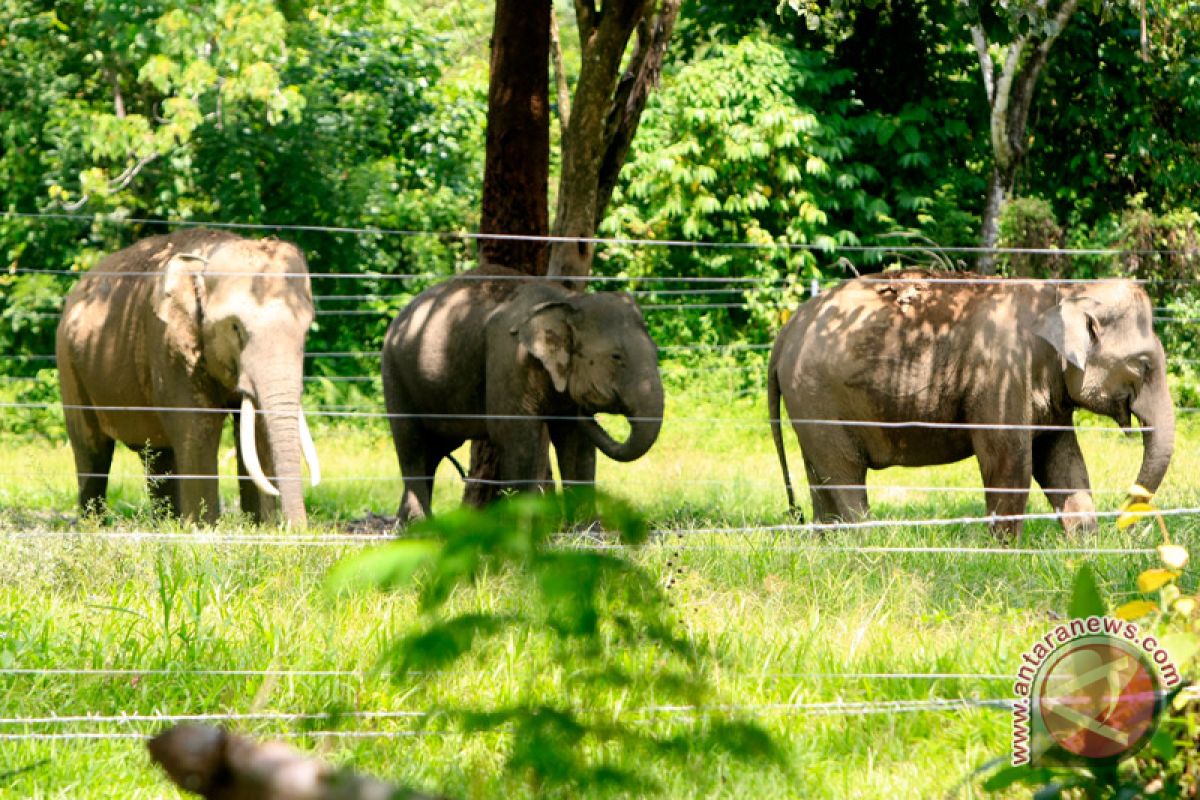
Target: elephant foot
point(1007, 533)
point(1078, 514)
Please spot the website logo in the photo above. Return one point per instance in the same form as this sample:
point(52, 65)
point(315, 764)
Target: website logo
point(1090, 690)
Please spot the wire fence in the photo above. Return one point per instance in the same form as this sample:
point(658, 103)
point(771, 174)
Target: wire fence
point(812, 709)
point(132, 672)
point(356, 413)
point(695, 294)
point(665, 539)
point(827, 247)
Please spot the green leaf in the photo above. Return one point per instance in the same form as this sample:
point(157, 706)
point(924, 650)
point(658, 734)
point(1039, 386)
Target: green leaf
point(1086, 600)
point(442, 644)
point(1163, 744)
point(1182, 647)
point(1010, 775)
point(387, 567)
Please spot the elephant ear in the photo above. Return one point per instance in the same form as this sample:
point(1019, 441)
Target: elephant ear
point(1072, 329)
point(179, 302)
point(548, 335)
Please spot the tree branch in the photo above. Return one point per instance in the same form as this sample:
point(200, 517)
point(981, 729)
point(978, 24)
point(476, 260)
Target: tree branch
point(585, 16)
point(118, 98)
point(563, 91)
point(1022, 98)
point(645, 70)
point(1001, 135)
point(219, 765)
point(587, 141)
point(987, 68)
point(125, 178)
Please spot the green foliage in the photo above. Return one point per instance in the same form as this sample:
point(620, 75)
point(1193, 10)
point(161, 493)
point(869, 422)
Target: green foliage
point(732, 149)
point(869, 128)
point(1168, 765)
point(232, 111)
point(614, 642)
point(1028, 222)
point(1085, 596)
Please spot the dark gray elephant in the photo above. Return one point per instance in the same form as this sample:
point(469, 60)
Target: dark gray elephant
point(202, 321)
point(496, 342)
point(908, 347)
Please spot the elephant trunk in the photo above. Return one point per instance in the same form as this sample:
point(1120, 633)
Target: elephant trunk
point(278, 392)
point(645, 421)
point(283, 434)
point(1155, 411)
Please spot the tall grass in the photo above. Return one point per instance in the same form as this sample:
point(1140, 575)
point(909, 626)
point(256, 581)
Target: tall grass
point(792, 618)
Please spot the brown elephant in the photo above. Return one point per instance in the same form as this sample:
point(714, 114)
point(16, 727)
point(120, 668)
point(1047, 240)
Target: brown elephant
point(910, 347)
point(492, 354)
point(180, 331)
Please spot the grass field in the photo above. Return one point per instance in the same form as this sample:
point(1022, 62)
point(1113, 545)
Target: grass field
point(790, 618)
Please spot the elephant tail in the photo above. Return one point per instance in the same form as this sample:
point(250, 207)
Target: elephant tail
point(777, 434)
point(462, 473)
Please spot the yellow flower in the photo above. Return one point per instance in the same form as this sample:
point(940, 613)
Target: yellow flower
point(1185, 605)
point(1139, 493)
point(1153, 579)
point(1135, 609)
point(1173, 555)
point(1131, 513)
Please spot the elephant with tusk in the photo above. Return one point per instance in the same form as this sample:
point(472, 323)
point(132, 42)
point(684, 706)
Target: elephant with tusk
point(1002, 363)
point(496, 354)
point(161, 341)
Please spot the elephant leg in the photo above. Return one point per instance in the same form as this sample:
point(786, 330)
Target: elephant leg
point(1060, 470)
point(832, 457)
point(92, 464)
point(481, 488)
point(577, 468)
point(523, 450)
point(419, 460)
point(93, 450)
point(839, 504)
point(161, 484)
point(1005, 463)
point(195, 439)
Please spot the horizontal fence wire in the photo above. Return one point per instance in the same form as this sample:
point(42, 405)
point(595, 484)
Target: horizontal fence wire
point(776, 483)
point(349, 673)
point(671, 539)
point(830, 247)
point(355, 412)
point(814, 708)
point(366, 312)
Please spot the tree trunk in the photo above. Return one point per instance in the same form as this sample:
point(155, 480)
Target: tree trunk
point(999, 191)
point(219, 765)
point(516, 175)
point(517, 162)
point(598, 131)
point(1009, 92)
point(605, 114)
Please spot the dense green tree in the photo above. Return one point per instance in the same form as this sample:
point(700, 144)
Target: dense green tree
point(236, 112)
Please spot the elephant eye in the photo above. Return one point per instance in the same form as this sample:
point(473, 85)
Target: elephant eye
point(618, 357)
point(239, 330)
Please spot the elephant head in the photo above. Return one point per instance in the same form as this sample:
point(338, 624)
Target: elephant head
point(1114, 364)
point(238, 313)
point(597, 350)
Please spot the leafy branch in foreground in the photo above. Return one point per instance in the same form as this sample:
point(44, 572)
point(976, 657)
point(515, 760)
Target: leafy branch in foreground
point(1169, 766)
point(600, 637)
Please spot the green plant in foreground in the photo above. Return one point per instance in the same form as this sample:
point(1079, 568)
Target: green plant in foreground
point(1170, 765)
point(585, 718)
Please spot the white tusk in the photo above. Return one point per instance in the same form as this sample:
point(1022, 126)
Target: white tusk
point(309, 449)
point(249, 450)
